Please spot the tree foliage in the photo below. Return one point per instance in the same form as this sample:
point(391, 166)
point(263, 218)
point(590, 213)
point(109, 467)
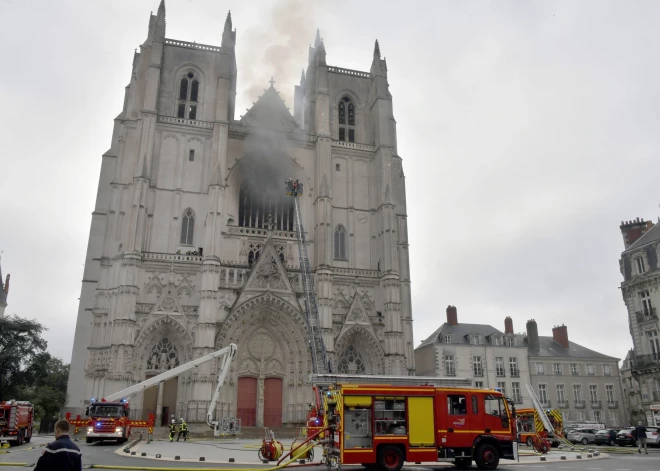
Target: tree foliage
point(27, 371)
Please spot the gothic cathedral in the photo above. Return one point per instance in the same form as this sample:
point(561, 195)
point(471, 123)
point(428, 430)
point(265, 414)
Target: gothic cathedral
point(193, 245)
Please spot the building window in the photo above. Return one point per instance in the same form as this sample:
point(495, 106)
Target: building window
point(561, 394)
point(513, 367)
point(499, 366)
point(346, 120)
point(477, 366)
point(447, 338)
point(540, 368)
point(614, 419)
point(590, 369)
point(474, 339)
point(593, 393)
point(337, 167)
point(654, 343)
point(351, 362)
point(645, 298)
point(191, 155)
point(580, 416)
point(501, 385)
point(478, 384)
point(598, 416)
point(340, 243)
point(575, 370)
point(254, 250)
point(640, 265)
point(607, 370)
point(609, 390)
point(164, 356)
point(187, 227)
point(510, 341)
point(496, 341)
point(188, 96)
point(517, 397)
point(577, 393)
point(558, 369)
point(543, 393)
point(449, 365)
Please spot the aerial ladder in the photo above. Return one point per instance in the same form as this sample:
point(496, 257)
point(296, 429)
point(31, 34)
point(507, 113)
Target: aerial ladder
point(317, 347)
point(225, 355)
point(544, 418)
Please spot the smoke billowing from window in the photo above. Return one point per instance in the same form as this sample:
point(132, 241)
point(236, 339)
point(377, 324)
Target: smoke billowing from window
point(277, 48)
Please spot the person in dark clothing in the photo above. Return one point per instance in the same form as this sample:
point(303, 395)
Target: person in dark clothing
point(640, 433)
point(183, 430)
point(62, 454)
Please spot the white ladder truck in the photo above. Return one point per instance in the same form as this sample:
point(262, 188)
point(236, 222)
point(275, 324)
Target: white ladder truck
point(108, 417)
point(317, 347)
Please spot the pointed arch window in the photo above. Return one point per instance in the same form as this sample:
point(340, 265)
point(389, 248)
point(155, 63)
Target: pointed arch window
point(164, 356)
point(351, 362)
point(346, 110)
point(187, 227)
point(340, 242)
point(188, 96)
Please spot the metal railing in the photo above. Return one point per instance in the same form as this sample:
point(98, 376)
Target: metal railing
point(645, 362)
point(562, 404)
point(646, 315)
point(596, 405)
point(580, 404)
point(612, 404)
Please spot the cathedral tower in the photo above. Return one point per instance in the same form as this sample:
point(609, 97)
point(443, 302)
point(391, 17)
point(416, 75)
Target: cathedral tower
point(193, 244)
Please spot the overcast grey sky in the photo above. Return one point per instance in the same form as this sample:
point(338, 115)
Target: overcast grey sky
point(528, 129)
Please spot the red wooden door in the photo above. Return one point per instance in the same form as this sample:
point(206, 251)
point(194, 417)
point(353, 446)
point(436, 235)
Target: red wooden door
point(246, 409)
point(273, 402)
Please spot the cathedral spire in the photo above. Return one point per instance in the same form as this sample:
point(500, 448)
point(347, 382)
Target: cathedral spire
point(378, 65)
point(228, 35)
point(302, 78)
point(376, 50)
point(157, 25)
point(318, 41)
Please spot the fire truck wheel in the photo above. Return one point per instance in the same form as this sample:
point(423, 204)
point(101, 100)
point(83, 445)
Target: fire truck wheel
point(487, 457)
point(89, 440)
point(19, 439)
point(390, 458)
point(530, 442)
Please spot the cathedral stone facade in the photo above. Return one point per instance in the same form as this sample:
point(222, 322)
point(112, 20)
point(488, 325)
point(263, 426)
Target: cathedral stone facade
point(193, 245)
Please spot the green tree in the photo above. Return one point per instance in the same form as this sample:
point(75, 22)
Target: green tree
point(20, 344)
point(47, 391)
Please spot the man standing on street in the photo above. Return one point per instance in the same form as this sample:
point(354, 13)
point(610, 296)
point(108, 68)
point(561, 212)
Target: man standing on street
point(640, 432)
point(62, 454)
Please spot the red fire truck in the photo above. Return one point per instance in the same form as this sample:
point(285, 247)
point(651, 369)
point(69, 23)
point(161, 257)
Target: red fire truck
point(16, 422)
point(384, 425)
point(108, 421)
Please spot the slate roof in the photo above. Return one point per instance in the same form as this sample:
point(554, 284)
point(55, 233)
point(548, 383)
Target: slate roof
point(460, 331)
point(652, 235)
point(550, 348)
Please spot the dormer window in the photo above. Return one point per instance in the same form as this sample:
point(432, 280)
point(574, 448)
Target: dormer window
point(446, 338)
point(346, 111)
point(509, 342)
point(496, 341)
point(188, 96)
point(639, 263)
point(474, 339)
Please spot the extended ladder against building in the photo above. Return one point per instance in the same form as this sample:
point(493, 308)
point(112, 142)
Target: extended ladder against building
point(544, 418)
point(317, 347)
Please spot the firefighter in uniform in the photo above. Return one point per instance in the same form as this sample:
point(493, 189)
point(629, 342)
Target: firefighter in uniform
point(62, 454)
point(172, 430)
point(183, 430)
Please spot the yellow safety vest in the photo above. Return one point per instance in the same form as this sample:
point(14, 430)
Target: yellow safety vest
point(184, 426)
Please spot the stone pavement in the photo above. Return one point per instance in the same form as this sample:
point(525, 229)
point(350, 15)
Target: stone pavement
point(244, 452)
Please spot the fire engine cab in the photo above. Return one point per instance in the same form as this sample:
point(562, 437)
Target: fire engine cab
point(108, 421)
point(16, 422)
point(384, 425)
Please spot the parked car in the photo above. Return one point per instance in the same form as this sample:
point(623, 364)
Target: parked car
point(582, 435)
point(653, 436)
point(606, 437)
point(625, 437)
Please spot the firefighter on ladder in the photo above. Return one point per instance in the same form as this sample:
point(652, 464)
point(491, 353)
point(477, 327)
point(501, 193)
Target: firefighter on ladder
point(183, 430)
point(172, 430)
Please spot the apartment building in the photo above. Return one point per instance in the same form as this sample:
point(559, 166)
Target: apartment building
point(583, 384)
point(487, 356)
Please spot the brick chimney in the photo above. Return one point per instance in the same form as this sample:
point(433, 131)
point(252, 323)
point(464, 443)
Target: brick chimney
point(633, 230)
point(508, 325)
point(452, 316)
point(532, 335)
point(560, 335)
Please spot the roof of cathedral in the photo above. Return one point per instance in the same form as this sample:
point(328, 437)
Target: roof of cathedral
point(271, 112)
point(460, 330)
point(649, 237)
point(549, 348)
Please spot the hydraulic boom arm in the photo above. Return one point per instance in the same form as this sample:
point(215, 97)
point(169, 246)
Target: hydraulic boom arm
point(229, 353)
